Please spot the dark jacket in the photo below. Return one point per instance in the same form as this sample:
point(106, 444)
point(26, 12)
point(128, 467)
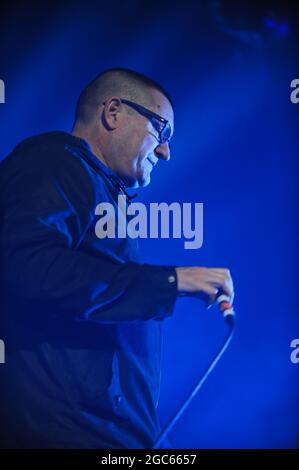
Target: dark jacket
point(80, 316)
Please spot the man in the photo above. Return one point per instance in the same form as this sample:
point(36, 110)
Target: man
point(81, 316)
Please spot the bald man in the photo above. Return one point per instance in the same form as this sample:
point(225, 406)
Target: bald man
point(81, 316)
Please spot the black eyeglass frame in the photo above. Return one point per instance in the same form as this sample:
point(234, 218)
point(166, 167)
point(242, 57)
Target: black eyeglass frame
point(165, 132)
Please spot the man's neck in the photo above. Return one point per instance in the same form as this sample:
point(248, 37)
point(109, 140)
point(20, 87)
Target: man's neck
point(94, 147)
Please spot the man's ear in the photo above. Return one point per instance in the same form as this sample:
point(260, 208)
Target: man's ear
point(110, 114)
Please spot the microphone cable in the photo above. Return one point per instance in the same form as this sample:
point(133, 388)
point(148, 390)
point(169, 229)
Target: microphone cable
point(229, 315)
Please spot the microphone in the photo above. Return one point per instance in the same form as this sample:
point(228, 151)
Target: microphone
point(225, 307)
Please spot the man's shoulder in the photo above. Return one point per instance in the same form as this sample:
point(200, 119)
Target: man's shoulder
point(48, 142)
point(56, 159)
point(42, 151)
point(45, 164)
point(46, 159)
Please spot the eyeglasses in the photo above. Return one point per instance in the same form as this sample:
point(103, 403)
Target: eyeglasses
point(160, 124)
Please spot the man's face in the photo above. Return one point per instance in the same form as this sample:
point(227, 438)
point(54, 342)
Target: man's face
point(139, 148)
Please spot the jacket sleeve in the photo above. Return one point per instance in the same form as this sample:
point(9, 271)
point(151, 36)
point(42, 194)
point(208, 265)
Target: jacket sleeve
point(47, 208)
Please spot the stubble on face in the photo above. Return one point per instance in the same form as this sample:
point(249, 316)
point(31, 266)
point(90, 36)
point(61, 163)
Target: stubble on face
point(141, 142)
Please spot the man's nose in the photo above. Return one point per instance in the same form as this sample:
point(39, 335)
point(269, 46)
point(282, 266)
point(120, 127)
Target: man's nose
point(162, 151)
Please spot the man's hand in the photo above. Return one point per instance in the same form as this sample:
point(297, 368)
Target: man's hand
point(205, 282)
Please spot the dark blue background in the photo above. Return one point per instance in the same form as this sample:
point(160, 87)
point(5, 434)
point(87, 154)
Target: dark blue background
point(228, 66)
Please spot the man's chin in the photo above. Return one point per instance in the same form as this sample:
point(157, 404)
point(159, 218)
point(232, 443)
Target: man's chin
point(140, 182)
point(144, 182)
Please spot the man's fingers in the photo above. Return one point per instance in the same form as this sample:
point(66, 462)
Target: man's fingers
point(208, 293)
point(220, 270)
point(206, 280)
point(221, 278)
point(209, 289)
point(222, 282)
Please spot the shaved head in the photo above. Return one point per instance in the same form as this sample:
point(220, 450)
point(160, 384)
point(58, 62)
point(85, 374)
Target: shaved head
point(124, 83)
point(125, 138)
